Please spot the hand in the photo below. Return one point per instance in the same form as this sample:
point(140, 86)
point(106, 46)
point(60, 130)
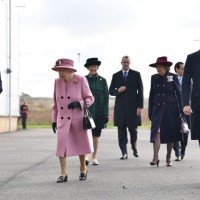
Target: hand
point(105, 119)
point(187, 110)
point(139, 111)
point(74, 104)
point(121, 89)
point(54, 127)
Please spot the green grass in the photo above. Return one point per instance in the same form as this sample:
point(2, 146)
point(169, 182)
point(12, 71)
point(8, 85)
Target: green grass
point(48, 125)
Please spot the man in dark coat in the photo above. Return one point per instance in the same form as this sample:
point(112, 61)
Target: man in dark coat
point(180, 147)
point(24, 112)
point(127, 86)
point(1, 89)
point(191, 92)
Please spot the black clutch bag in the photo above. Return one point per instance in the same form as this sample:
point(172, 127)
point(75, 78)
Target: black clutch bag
point(88, 121)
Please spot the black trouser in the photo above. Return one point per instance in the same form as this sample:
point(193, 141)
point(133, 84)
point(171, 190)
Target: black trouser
point(179, 147)
point(24, 122)
point(123, 139)
point(184, 143)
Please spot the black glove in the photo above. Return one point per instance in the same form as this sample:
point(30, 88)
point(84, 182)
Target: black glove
point(74, 104)
point(105, 119)
point(54, 127)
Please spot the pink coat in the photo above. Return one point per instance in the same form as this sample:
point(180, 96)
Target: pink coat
point(72, 140)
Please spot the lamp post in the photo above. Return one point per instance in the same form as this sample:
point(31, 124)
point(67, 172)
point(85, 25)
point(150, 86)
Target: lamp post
point(9, 62)
point(79, 55)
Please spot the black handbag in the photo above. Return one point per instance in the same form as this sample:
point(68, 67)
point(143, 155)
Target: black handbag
point(88, 121)
point(184, 126)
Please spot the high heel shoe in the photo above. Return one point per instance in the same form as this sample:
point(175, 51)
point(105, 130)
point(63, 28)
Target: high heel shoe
point(62, 179)
point(168, 162)
point(83, 176)
point(155, 163)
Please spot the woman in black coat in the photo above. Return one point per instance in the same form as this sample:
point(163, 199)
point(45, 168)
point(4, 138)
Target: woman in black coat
point(164, 109)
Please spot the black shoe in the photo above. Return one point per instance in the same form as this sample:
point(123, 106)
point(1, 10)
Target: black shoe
point(124, 157)
point(86, 162)
point(155, 163)
point(182, 156)
point(62, 179)
point(178, 158)
point(83, 176)
point(136, 154)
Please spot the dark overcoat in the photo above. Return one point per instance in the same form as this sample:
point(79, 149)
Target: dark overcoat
point(1, 89)
point(165, 107)
point(191, 91)
point(99, 109)
point(126, 103)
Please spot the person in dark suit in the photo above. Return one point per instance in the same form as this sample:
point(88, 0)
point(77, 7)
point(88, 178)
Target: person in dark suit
point(164, 109)
point(191, 92)
point(127, 86)
point(1, 89)
point(24, 114)
point(180, 147)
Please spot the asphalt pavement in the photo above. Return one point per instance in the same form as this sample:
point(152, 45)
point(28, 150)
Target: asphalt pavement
point(29, 170)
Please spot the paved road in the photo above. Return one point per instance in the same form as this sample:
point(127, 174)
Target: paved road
point(29, 169)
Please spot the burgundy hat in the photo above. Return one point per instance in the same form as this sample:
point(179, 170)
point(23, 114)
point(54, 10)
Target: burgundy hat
point(64, 64)
point(92, 61)
point(161, 61)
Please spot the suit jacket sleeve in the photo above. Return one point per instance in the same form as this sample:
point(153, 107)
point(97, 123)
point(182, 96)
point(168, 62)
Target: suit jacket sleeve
point(113, 91)
point(140, 92)
point(186, 82)
point(1, 89)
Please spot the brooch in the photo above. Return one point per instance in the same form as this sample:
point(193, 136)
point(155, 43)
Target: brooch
point(75, 81)
point(169, 78)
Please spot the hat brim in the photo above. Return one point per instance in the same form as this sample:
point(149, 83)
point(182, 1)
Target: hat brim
point(169, 64)
point(56, 68)
point(98, 63)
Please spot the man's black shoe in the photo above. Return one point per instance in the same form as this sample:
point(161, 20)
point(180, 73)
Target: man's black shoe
point(136, 154)
point(182, 156)
point(124, 157)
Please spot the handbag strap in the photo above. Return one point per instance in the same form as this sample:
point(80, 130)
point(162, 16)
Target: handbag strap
point(85, 106)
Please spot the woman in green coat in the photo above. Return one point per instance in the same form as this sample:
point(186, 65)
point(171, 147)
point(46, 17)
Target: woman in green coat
point(99, 109)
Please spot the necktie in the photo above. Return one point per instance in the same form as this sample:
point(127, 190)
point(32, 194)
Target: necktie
point(125, 75)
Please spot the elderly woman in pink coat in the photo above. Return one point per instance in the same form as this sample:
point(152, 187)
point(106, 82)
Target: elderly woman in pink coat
point(70, 90)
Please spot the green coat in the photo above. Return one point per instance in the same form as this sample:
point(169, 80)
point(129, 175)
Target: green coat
point(99, 109)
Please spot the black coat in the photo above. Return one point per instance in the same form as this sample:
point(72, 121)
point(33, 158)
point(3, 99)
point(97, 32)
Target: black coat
point(1, 89)
point(191, 91)
point(126, 103)
point(165, 107)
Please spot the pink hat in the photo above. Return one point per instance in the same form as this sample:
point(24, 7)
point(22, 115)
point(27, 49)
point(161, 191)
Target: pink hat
point(64, 64)
point(161, 61)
